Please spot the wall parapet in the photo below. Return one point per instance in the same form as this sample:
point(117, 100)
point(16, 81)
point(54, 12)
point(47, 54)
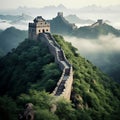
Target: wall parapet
point(64, 85)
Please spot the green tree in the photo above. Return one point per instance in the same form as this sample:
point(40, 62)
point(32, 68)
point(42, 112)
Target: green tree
point(8, 109)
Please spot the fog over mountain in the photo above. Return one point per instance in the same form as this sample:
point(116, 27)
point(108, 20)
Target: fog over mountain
point(100, 51)
point(89, 12)
point(18, 21)
point(104, 44)
point(104, 52)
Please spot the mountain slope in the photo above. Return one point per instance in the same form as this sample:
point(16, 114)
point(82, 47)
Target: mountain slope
point(74, 19)
point(10, 38)
point(92, 91)
point(60, 25)
point(110, 64)
point(30, 66)
point(15, 17)
point(94, 32)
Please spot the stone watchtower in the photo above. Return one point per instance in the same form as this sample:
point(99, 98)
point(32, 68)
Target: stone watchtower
point(39, 26)
point(60, 14)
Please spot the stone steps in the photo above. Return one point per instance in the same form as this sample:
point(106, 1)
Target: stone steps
point(62, 85)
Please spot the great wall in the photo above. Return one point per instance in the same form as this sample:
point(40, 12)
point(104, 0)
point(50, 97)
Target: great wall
point(64, 84)
point(40, 29)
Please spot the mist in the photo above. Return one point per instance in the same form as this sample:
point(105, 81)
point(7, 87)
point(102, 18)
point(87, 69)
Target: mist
point(104, 44)
point(103, 52)
point(22, 26)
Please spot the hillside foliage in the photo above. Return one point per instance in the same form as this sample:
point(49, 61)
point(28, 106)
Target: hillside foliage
point(93, 92)
point(30, 66)
point(95, 32)
point(28, 74)
point(10, 38)
point(59, 25)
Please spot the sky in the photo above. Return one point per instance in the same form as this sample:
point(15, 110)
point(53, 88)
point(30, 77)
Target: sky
point(6, 4)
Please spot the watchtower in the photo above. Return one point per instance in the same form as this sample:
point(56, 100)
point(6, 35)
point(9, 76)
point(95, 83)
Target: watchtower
point(60, 14)
point(100, 21)
point(40, 25)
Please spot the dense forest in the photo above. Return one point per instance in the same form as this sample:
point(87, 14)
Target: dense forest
point(28, 74)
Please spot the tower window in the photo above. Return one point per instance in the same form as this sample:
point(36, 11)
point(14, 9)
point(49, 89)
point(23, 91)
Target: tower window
point(43, 30)
point(39, 30)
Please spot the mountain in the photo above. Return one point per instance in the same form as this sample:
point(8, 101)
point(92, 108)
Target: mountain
point(18, 21)
point(8, 17)
point(35, 60)
point(95, 30)
point(109, 63)
point(43, 11)
point(1, 31)
point(10, 38)
point(15, 17)
point(60, 25)
point(22, 18)
point(75, 19)
point(30, 68)
point(81, 11)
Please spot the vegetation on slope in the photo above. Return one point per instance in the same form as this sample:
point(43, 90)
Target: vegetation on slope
point(60, 25)
point(29, 69)
point(10, 38)
point(94, 32)
point(109, 64)
point(72, 18)
point(30, 66)
point(93, 92)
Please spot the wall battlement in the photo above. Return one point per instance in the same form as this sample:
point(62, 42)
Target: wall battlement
point(64, 85)
point(39, 25)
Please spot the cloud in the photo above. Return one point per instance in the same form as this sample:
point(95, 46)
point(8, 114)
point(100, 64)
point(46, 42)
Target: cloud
point(6, 24)
point(104, 44)
point(103, 52)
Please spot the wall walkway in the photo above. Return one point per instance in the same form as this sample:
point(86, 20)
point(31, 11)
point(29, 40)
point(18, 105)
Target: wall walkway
point(64, 84)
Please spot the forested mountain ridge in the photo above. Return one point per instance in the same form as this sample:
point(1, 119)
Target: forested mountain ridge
point(72, 18)
point(13, 18)
point(91, 87)
point(30, 69)
point(26, 65)
point(94, 32)
point(60, 25)
point(10, 38)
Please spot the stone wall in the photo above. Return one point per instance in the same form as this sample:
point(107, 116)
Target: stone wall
point(40, 25)
point(64, 85)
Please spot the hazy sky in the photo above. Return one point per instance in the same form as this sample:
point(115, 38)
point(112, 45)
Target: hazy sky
point(5, 4)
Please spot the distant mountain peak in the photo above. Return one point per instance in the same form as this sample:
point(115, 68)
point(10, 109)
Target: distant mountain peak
point(73, 18)
point(99, 22)
point(61, 6)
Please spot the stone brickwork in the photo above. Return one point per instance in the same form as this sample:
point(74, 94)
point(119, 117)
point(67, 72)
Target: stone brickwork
point(39, 26)
point(64, 85)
